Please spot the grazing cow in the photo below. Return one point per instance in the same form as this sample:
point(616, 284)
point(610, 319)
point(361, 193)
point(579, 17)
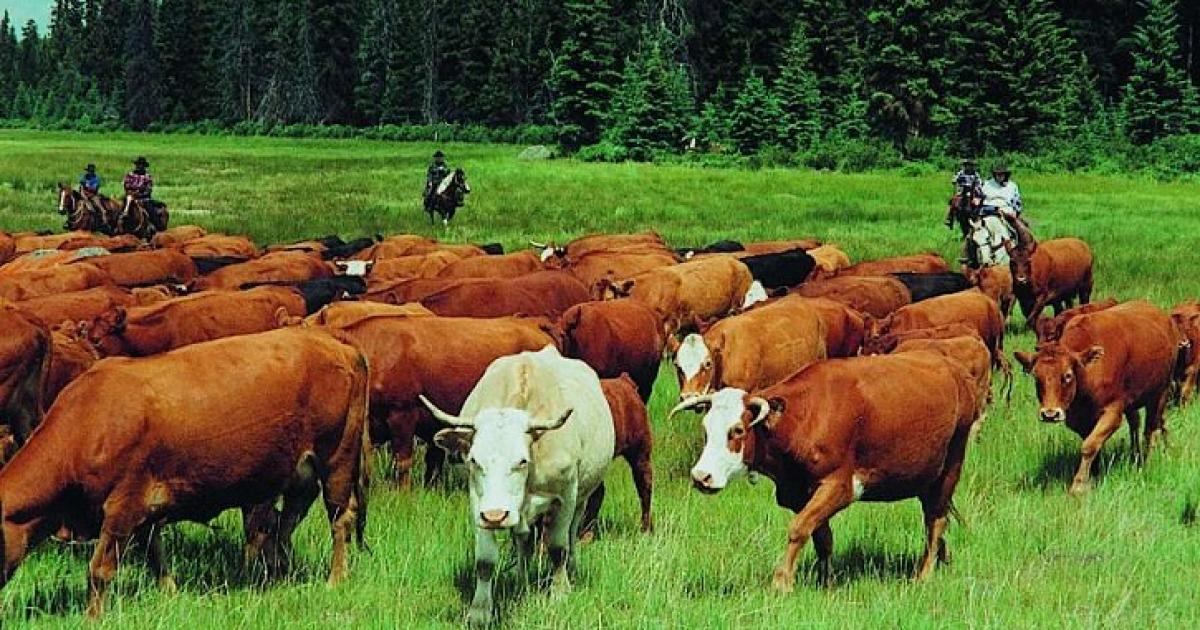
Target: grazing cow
point(541, 294)
point(136, 269)
point(219, 246)
point(537, 436)
point(8, 247)
point(1052, 273)
point(775, 247)
point(280, 413)
point(861, 429)
point(178, 235)
point(719, 247)
point(923, 286)
point(35, 283)
point(346, 314)
point(1106, 366)
point(278, 267)
point(996, 282)
point(970, 308)
point(782, 269)
point(752, 350)
point(503, 266)
point(877, 296)
point(1050, 328)
point(634, 442)
point(1186, 318)
point(688, 293)
point(597, 267)
point(416, 266)
point(645, 242)
point(829, 260)
point(920, 263)
point(76, 306)
point(145, 330)
point(440, 358)
point(615, 337)
point(24, 363)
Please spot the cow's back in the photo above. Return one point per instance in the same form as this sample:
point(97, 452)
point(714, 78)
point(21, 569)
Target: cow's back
point(612, 335)
point(42, 282)
point(877, 296)
point(1140, 347)
point(207, 316)
point(766, 345)
point(502, 266)
point(76, 306)
point(971, 308)
point(1060, 264)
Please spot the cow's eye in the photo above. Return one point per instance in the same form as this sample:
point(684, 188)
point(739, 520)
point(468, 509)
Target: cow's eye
point(523, 464)
point(472, 463)
point(707, 365)
point(737, 431)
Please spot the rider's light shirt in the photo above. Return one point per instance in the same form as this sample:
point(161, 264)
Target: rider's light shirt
point(1000, 195)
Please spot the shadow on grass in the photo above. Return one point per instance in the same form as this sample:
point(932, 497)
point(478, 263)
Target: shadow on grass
point(1057, 469)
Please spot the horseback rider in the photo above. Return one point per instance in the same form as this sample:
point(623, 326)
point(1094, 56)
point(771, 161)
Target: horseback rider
point(139, 186)
point(434, 175)
point(966, 182)
point(89, 189)
point(1000, 194)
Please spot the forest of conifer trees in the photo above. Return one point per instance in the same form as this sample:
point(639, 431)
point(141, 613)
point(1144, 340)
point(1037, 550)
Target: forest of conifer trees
point(626, 78)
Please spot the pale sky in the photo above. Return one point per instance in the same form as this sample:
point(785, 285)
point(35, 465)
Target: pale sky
point(20, 11)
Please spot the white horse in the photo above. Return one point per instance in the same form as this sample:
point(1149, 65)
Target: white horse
point(989, 235)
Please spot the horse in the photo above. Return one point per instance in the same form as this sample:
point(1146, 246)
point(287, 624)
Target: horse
point(142, 217)
point(94, 215)
point(989, 236)
point(448, 196)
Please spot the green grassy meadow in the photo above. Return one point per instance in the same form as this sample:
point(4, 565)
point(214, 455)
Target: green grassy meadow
point(1027, 555)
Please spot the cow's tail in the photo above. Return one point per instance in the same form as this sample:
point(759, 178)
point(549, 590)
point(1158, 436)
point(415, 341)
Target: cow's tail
point(359, 404)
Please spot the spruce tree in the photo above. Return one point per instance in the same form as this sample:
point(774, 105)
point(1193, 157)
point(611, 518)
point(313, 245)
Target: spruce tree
point(107, 47)
point(836, 29)
point(183, 41)
point(334, 42)
point(65, 37)
point(755, 119)
point(244, 32)
point(1159, 99)
point(653, 107)
point(713, 127)
point(799, 93)
point(141, 73)
point(584, 76)
point(1042, 55)
point(293, 96)
point(8, 64)
point(29, 55)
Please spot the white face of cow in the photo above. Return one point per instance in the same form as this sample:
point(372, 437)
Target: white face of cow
point(724, 434)
point(755, 295)
point(691, 358)
point(497, 456)
point(354, 267)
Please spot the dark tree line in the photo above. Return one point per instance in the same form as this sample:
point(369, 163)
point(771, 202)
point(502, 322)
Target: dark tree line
point(644, 75)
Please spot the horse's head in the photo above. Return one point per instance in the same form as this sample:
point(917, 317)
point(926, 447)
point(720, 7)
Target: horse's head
point(66, 199)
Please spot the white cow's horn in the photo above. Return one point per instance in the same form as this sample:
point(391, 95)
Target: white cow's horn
point(444, 417)
point(763, 409)
point(690, 403)
point(537, 244)
point(541, 425)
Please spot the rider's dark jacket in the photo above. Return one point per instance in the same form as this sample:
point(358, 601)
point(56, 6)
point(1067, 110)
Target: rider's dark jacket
point(434, 176)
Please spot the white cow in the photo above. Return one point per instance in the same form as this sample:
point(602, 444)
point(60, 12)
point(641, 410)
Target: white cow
point(537, 436)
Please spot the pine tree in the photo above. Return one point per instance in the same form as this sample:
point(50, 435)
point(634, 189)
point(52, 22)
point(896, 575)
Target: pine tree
point(8, 64)
point(141, 76)
point(798, 92)
point(29, 55)
point(713, 127)
point(1041, 55)
point(244, 33)
point(65, 37)
point(293, 96)
point(183, 41)
point(107, 49)
point(754, 121)
point(584, 76)
point(653, 106)
point(334, 41)
point(835, 29)
point(1159, 99)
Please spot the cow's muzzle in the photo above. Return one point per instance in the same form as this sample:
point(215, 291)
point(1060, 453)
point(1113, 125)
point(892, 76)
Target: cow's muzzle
point(493, 519)
point(704, 482)
point(1052, 415)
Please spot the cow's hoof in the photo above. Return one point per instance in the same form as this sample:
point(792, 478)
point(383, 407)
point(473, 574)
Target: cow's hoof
point(783, 582)
point(479, 617)
point(587, 537)
point(1079, 488)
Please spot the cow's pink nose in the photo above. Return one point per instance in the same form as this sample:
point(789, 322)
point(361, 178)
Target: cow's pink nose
point(702, 479)
point(494, 517)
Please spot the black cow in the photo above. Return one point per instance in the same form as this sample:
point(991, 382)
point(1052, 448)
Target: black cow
point(720, 247)
point(208, 264)
point(782, 269)
point(493, 249)
point(346, 250)
point(923, 286)
point(319, 292)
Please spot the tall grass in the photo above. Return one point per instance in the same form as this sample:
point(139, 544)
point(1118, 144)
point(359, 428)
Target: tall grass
point(1026, 555)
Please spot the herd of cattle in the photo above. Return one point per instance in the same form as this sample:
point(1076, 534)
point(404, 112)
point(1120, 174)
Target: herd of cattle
point(143, 384)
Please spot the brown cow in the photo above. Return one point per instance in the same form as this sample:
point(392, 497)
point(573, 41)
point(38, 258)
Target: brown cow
point(413, 245)
point(634, 442)
point(877, 296)
point(966, 351)
point(596, 268)
point(46, 259)
point(752, 350)
point(880, 428)
point(1052, 273)
point(145, 330)
point(996, 282)
point(161, 266)
point(278, 267)
point(76, 306)
point(118, 243)
point(971, 308)
point(8, 247)
point(72, 355)
point(615, 337)
point(919, 263)
point(541, 294)
point(1050, 328)
point(688, 293)
point(775, 247)
point(25, 242)
point(219, 246)
point(1106, 367)
point(441, 358)
point(645, 242)
point(24, 363)
point(503, 266)
point(886, 344)
point(343, 314)
point(829, 260)
point(177, 235)
point(27, 285)
point(390, 270)
point(845, 328)
point(281, 413)
point(1186, 318)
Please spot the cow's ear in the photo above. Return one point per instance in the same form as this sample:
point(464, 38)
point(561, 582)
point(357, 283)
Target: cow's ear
point(456, 441)
point(1091, 355)
point(1026, 359)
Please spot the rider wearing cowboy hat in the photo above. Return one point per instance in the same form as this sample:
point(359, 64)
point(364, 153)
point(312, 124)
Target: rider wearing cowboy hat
point(138, 182)
point(435, 174)
point(967, 179)
point(1000, 193)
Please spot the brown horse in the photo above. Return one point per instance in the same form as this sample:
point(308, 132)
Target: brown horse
point(95, 215)
point(142, 218)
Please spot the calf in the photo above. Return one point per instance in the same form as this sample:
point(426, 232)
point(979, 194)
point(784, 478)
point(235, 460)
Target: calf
point(877, 296)
point(923, 286)
point(281, 413)
point(1106, 366)
point(841, 431)
point(1186, 318)
point(537, 435)
point(1053, 273)
point(616, 337)
point(634, 441)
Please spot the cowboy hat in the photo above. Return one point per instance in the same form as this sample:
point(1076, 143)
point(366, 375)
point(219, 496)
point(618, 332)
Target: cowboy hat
point(1001, 168)
point(90, 167)
point(439, 154)
point(141, 161)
